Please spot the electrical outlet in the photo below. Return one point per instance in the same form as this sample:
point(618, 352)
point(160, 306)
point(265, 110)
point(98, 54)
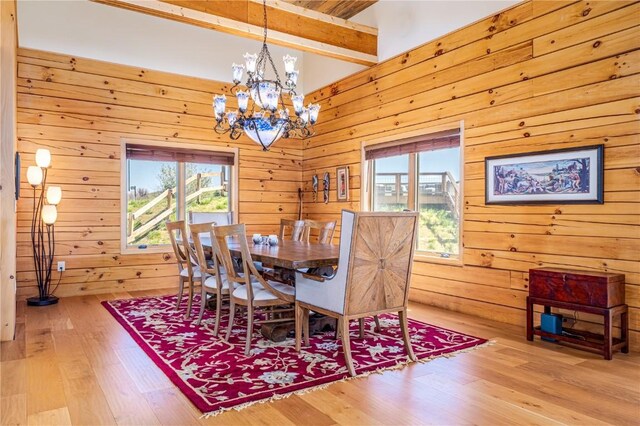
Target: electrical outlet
point(61, 266)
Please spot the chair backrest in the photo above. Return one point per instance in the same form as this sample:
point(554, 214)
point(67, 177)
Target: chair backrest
point(219, 241)
point(199, 232)
point(296, 227)
point(380, 261)
point(222, 234)
point(180, 243)
point(220, 218)
point(325, 230)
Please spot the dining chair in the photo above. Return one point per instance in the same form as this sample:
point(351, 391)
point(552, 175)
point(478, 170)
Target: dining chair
point(214, 277)
point(325, 230)
point(249, 288)
point(373, 275)
point(187, 264)
point(293, 229)
point(220, 218)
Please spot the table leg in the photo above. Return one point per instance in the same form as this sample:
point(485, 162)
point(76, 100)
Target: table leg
point(608, 335)
point(529, 320)
point(624, 333)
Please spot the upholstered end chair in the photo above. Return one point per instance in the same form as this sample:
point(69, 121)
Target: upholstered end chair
point(373, 275)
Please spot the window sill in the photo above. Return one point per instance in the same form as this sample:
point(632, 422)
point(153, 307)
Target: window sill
point(153, 249)
point(427, 258)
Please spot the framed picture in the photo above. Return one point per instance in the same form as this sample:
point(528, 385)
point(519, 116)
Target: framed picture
point(342, 180)
point(563, 176)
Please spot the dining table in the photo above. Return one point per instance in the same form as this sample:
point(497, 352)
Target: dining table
point(287, 254)
point(285, 258)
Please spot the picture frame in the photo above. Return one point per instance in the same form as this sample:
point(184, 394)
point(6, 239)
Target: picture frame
point(342, 183)
point(561, 176)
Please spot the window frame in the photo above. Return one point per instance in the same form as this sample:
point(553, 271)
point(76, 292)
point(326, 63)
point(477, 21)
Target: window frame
point(366, 188)
point(180, 207)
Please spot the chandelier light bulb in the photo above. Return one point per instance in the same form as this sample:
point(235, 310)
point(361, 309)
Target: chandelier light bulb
point(219, 104)
point(232, 116)
point(284, 113)
point(298, 103)
point(43, 157)
point(293, 78)
point(251, 61)
point(304, 115)
point(54, 195)
point(243, 100)
point(314, 109)
point(34, 175)
point(238, 70)
point(49, 214)
point(289, 63)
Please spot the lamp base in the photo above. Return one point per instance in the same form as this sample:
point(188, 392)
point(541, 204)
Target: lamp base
point(37, 301)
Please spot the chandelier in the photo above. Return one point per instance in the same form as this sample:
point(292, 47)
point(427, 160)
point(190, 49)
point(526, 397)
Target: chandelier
point(267, 119)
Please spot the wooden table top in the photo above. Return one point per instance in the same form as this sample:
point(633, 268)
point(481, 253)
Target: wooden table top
point(289, 254)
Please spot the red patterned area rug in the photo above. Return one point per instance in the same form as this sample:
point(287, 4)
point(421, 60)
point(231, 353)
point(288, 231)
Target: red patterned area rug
point(216, 375)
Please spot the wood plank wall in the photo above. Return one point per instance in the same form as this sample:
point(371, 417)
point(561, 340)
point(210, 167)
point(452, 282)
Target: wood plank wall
point(8, 53)
point(80, 109)
point(540, 75)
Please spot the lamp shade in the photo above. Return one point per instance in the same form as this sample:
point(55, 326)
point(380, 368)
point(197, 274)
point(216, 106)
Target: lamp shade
point(49, 214)
point(54, 195)
point(43, 157)
point(34, 175)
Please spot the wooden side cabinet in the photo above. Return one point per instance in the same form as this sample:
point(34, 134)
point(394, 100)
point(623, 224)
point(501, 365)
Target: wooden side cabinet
point(593, 292)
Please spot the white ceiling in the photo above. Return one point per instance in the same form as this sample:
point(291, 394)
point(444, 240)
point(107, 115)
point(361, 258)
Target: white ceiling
point(92, 30)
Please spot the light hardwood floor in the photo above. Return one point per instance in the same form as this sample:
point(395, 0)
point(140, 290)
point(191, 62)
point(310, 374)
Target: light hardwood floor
point(72, 363)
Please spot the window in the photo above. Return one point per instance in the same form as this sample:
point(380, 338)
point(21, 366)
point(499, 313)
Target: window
point(421, 174)
point(165, 183)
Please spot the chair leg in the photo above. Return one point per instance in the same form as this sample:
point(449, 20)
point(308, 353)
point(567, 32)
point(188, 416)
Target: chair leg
point(232, 313)
point(305, 326)
point(218, 312)
point(299, 316)
point(377, 320)
point(361, 327)
point(346, 346)
point(180, 291)
point(203, 303)
point(405, 334)
point(336, 335)
point(247, 346)
point(190, 301)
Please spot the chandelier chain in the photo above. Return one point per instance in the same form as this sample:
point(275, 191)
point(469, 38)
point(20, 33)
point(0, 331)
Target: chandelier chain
point(265, 49)
point(264, 12)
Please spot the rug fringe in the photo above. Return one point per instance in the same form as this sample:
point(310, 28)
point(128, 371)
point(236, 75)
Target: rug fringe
point(380, 370)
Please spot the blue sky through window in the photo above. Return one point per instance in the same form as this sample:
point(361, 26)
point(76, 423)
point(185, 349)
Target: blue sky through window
point(144, 174)
point(437, 161)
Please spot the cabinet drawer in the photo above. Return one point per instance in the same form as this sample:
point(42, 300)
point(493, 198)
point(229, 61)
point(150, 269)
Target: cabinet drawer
point(603, 291)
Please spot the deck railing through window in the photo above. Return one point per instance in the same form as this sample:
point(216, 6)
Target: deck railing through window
point(141, 221)
point(433, 188)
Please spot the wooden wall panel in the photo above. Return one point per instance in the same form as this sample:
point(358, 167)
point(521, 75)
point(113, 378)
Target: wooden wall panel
point(540, 75)
point(80, 109)
point(8, 54)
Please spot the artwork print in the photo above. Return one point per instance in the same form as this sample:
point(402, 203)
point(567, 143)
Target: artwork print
point(342, 180)
point(562, 176)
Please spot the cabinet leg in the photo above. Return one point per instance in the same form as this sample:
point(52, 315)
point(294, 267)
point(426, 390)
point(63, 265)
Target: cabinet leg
point(624, 333)
point(608, 335)
point(529, 320)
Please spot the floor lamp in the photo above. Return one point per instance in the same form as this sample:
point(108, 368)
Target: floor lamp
point(44, 217)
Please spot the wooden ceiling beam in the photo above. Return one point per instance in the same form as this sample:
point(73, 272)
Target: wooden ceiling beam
point(289, 25)
point(340, 8)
